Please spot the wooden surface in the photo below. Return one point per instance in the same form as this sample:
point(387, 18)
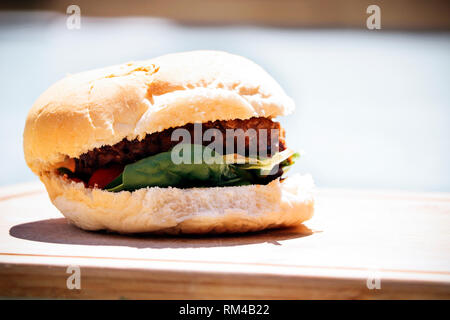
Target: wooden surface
point(402, 239)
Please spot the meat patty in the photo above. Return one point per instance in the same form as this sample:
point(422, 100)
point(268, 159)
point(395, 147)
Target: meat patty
point(126, 151)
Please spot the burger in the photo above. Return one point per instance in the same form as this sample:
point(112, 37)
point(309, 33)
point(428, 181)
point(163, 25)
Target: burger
point(182, 143)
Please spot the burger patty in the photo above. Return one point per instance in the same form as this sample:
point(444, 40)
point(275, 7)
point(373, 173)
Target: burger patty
point(126, 151)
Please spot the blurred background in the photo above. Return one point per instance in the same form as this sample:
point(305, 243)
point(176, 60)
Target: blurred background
point(373, 106)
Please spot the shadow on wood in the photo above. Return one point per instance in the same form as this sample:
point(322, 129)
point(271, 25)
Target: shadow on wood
point(59, 231)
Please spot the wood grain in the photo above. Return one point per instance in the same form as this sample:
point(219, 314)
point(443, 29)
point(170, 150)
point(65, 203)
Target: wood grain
point(401, 238)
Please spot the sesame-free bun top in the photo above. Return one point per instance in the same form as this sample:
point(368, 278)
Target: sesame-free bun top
point(103, 106)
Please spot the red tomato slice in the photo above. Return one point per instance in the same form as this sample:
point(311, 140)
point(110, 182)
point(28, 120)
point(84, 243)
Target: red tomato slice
point(102, 177)
point(77, 180)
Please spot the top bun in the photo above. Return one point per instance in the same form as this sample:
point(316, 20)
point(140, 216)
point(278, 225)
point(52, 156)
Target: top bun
point(101, 107)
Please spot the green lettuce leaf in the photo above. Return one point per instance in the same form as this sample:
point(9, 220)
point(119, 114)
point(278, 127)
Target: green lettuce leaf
point(212, 170)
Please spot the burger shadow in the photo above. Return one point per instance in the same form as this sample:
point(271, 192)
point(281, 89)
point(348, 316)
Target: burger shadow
point(59, 231)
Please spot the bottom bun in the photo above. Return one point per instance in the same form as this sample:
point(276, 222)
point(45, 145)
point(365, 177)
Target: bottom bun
point(195, 210)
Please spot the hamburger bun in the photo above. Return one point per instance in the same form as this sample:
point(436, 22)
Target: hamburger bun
point(102, 107)
point(194, 210)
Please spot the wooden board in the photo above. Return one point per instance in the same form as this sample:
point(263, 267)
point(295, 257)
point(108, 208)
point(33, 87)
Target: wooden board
point(400, 241)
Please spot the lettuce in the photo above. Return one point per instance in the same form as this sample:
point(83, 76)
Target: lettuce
point(212, 170)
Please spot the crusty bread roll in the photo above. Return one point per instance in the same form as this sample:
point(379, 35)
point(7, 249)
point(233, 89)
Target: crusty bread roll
point(102, 107)
point(194, 210)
